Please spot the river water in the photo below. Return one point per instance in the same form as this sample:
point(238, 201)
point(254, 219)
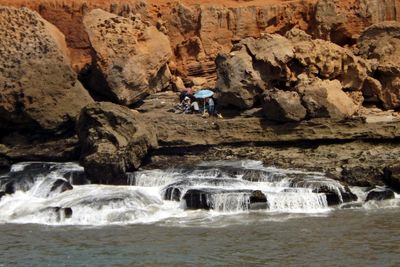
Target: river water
point(143, 225)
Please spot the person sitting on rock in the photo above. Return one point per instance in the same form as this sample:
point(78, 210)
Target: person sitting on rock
point(186, 105)
point(211, 107)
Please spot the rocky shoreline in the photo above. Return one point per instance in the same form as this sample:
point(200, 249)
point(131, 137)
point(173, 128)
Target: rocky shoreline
point(310, 93)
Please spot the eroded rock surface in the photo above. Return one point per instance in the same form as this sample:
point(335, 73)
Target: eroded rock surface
point(39, 90)
point(317, 71)
point(114, 141)
point(381, 43)
point(130, 59)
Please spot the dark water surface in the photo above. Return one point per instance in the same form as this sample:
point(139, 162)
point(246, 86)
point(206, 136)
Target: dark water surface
point(338, 238)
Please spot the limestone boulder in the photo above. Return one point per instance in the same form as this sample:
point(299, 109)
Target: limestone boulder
point(130, 57)
point(259, 67)
point(38, 88)
point(327, 60)
point(283, 106)
point(114, 141)
point(325, 98)
point(381, 43)
point(239, 84)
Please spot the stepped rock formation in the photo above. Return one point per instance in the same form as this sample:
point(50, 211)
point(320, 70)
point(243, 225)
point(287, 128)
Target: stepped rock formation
point(316, 71)
point(130, 57)
point(39, 90)
point(114, 140)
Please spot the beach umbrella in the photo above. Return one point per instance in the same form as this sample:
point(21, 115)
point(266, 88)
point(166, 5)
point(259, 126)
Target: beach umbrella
point(203, 94)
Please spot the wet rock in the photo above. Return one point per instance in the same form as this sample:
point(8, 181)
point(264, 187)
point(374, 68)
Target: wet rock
point(39, 89)
point(25, 175)
point(391, 177)
point(114, 141)
point(60, 186)
point(380, 194)
point(348, 196)
point(172, 193)
point(258, 200)
point(261, 176)
point(76, 177)
point(5, 165)
point(197, 199)
point(335, 192)
point(283, 106)
point(59, 212)
point(130, 59)
point(203, 198)
point(335, 198)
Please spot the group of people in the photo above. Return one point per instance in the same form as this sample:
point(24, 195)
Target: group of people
point(190, 104)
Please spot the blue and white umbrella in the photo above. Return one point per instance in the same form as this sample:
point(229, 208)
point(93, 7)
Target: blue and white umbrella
point(203, 93)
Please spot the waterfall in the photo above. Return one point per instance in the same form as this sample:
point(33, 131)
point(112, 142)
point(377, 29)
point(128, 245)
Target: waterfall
point(59, 193)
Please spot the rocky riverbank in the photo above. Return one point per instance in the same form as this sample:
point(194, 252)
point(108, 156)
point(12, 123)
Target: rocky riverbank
point(301, 84)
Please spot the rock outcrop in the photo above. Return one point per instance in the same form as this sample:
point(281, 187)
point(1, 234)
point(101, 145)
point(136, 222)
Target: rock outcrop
point(381, 43)
point(130, 57)
point(283, 106)
point(391, 177)
point(325, 98)
point(380, 194)
point(317, 71)
point(114, 141)
point(190, 24)
point(39, 90)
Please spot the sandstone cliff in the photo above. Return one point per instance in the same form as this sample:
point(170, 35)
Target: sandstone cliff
point(199, 31)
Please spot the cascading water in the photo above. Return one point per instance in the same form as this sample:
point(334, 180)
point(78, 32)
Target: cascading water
point(58, 193)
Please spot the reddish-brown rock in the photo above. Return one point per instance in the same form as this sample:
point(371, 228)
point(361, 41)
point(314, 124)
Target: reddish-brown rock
point(130, 59)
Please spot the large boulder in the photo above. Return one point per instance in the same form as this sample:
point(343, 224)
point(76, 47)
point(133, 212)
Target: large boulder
point(130, 57)
point(283, 106)
point(114, 141)
point(381, 43)
point(238, 82)
point(325, 98)
point(39, 89)
point(273, 64)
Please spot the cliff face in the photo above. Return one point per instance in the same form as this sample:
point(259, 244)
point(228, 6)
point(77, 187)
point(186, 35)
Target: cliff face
point(199, 31)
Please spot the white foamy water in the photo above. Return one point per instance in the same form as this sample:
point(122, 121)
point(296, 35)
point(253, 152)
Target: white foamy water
point(38, 193)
